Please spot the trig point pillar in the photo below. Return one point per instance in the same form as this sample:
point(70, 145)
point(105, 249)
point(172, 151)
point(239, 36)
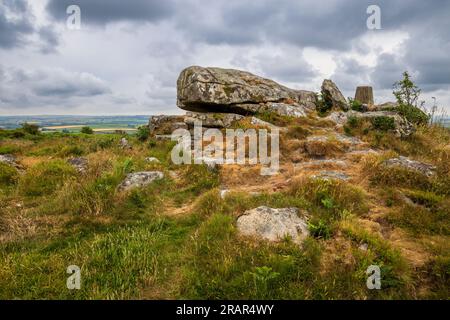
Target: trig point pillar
point(364, 95)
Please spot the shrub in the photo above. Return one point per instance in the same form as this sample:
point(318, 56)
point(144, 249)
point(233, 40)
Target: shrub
point(413, 114)
point(143, 133)
point(353, 122)
point(383, 123)
point(87, 130)
point(407, 94)
point(152, 143)
point(105, 143)
point(320, 230)
point(44, 178)
point(355, 105)
point(30, 128)
point(322, 106)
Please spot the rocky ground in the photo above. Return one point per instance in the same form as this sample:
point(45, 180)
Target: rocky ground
point(355, 188)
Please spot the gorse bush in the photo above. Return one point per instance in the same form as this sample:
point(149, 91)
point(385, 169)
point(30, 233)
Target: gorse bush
point(143, 133)
point(87, 130)
point(30, 128)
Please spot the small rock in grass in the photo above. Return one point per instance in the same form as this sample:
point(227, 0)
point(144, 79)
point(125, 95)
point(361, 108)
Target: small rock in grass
point(332, 175)
point(152, 160)
point(424, 168)
point(273, 224)
point(124, 143)
point(140, 179)
point(80, 164)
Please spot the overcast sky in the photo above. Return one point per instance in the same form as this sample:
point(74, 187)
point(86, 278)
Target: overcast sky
point(127, 55)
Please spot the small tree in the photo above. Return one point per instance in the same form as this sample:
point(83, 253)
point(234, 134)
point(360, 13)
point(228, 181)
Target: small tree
point(87, 130)
point(30, 128)
point(143, 133)
point(407, 94)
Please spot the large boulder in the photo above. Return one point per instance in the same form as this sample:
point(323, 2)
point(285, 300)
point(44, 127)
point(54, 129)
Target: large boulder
point(332, 96)
point(273, 224)
point(233, 91)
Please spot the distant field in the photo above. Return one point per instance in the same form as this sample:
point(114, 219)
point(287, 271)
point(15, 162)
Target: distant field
point(75, 123)
point(62, 127)
point(77, 128)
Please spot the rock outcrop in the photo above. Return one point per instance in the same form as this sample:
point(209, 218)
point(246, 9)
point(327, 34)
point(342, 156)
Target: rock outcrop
point(273, 224)
point(140, 179)
point(403, 128)
point(163, 124)
point(212, 120)
point(404, 162)
point(332, 96)
point(233, 91)
point(260, 123)
point(332, 175)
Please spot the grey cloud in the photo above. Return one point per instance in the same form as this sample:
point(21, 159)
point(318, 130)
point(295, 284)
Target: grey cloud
point(13, 30)
point(49, 39)
point(47, 86)
point(349, 74)
point(101, 12)
point(286, 67)
point(195, 31)
point(388, 70)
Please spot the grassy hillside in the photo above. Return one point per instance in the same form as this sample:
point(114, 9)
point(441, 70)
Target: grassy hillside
point(177, 237)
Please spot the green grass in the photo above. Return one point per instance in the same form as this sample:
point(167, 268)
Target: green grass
point(45, 178)
point(128, 244)
point(115, 264)
point(223, 267)
point(8, 175)
point(9, 149)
